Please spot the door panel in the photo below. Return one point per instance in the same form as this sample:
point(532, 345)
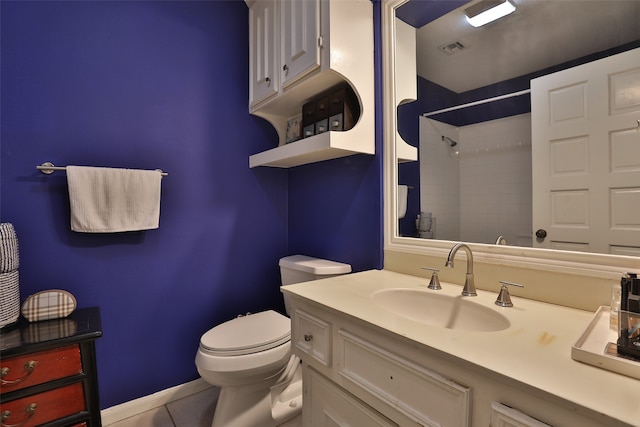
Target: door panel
point(586, 156)
point(300, 33)
point(265, 75)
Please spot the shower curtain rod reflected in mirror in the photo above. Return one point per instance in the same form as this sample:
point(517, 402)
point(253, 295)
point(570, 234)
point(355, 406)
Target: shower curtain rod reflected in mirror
point(480, 102)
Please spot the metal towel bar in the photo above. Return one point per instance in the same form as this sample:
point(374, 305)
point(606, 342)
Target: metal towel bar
point(48, 168)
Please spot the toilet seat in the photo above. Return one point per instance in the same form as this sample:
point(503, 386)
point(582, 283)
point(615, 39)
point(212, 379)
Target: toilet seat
point(247, 334)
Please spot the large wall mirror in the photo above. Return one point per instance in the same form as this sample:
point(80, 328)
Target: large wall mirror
point(477, 173)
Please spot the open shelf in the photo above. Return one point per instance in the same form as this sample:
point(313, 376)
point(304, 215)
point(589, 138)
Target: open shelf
point(325, 146)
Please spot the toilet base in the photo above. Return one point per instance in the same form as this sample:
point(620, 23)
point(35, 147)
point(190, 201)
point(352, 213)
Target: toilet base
point(267, 404)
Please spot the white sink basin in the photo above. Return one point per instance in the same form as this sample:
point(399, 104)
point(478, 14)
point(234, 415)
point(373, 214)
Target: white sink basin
point(445, 311)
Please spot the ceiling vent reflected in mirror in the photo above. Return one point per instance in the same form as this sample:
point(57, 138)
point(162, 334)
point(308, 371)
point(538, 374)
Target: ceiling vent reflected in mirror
point(451, 48)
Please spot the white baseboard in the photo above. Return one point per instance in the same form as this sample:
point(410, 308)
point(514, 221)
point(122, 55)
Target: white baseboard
point(134, 407)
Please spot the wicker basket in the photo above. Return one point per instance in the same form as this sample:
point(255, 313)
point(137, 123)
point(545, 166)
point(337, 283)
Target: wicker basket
point(9, 279)
point(9, 259)
point(9, 298)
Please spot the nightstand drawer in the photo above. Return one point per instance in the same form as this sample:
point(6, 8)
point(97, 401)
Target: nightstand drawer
point(43, 407)
point(36, 368)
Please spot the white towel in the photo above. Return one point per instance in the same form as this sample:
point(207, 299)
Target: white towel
point(403, 191)
point(107, 200)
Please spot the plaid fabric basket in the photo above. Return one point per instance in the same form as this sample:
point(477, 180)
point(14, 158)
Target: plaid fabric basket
point(9, 298)
point(50, 304)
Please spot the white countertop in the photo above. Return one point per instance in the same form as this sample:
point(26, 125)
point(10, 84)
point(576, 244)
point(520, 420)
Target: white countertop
point(535, 349)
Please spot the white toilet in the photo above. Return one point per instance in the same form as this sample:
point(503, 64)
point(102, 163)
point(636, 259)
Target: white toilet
point(250, 358)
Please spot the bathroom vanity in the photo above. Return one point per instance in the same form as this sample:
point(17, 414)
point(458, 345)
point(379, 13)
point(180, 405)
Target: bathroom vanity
point(372, 357)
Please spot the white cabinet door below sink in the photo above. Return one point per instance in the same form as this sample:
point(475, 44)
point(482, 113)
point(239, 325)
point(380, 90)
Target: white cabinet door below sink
point(417, 392)
point(504, 416)
point(326, 405)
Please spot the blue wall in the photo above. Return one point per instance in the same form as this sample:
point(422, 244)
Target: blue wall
point(333, 204)
point(161, 85)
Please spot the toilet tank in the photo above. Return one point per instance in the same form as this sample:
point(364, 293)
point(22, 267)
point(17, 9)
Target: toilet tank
point(301, 268)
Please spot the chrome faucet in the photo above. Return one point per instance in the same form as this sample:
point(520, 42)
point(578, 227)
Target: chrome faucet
point(469, 289)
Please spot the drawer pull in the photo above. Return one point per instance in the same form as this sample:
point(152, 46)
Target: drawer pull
point(30, 411)
point(29, 367)
point(308, 337)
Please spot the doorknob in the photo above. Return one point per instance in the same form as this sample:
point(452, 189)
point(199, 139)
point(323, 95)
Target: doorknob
point(541, 234)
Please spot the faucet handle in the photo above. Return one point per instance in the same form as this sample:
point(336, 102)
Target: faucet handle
point(434, 283)
point(504, 299)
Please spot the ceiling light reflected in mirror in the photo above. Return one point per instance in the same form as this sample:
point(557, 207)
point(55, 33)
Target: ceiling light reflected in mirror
point(485, 12)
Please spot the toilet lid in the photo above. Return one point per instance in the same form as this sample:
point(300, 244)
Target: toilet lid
point(248, 334)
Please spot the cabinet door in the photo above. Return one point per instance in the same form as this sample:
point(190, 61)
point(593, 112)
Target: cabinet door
point(327, 405)
point(312, 336)
point(264, 45)
point(504, 416)
point(417, 392)
point(300, 39)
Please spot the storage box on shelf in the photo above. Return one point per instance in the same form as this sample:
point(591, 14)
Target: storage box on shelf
point(299, 50)
point(335, 110)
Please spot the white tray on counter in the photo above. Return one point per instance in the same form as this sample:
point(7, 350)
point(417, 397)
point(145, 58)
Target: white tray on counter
point(597, 346)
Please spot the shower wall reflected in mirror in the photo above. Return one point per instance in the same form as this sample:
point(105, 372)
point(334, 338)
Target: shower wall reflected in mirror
point(476, 185)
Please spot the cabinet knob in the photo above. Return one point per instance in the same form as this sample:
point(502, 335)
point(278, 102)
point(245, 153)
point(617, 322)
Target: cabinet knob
point(308, 337)
point(268, 80)
point(541, 234)
point(285, 68)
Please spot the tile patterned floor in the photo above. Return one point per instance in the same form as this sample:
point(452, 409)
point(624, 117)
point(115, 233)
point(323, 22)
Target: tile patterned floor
point(192, 411)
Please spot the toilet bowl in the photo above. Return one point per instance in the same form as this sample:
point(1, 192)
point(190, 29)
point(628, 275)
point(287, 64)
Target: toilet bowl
point(250, 357)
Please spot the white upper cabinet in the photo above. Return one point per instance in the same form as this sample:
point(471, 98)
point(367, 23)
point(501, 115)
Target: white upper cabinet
point(265, 70)
point(300, 49)
point(300, 39)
